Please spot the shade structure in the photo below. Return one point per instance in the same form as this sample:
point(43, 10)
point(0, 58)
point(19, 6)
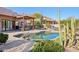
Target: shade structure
point(24, 17)
point(7, 17)
point(8, 21)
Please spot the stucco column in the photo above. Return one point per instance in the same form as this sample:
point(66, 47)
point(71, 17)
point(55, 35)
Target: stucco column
point(0, 25)
point(13, 25)
point(33, 25)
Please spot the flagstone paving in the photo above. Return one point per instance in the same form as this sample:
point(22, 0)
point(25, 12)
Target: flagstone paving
point(17, 46)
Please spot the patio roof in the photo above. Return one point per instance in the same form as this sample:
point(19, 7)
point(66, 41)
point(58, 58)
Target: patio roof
point(14, 18)
point(25, 17)
point(7, 17)
point(6, 14)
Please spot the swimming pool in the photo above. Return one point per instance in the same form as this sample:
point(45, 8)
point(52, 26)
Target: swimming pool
point(45, 35)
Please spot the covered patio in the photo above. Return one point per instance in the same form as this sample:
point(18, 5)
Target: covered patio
point(8, 22)
point(25, 22)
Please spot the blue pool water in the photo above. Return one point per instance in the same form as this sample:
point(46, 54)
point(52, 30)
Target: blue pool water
point(45, 36)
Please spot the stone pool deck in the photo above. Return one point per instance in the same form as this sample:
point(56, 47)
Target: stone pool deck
point(19, 44)
point(16, 44)
point(11, 33)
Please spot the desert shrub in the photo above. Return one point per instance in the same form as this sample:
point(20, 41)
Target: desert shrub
point(3, 38)
point(47, 46)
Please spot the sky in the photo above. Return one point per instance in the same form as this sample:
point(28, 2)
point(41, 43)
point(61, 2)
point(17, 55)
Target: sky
point(51, 12)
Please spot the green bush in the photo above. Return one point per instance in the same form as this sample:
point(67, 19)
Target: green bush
point(38, 25)
point(48, 46)
point(3, 38)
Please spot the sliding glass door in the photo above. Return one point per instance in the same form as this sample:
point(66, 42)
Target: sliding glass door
point(6, 25)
